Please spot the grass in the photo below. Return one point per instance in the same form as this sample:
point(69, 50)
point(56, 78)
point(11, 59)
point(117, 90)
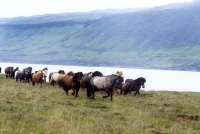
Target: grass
point(25, 109)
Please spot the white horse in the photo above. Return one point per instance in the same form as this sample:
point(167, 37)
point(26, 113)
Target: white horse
point(54, 78)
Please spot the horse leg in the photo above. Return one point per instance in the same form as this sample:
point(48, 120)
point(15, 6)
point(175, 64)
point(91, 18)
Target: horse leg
point(77, 92)
point(108, 94)
point(73, 93)
point(138, 92)
point(93, 94)
point(111, 95)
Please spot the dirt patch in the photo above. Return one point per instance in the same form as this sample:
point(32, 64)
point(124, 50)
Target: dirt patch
point(189, 117)
point(104, 107)
point(166, 105)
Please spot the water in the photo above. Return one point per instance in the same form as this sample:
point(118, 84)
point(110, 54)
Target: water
point(157, 80)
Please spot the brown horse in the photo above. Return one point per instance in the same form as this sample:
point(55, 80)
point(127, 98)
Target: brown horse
point(72, 82)
point(126, 87)
point(38, 77)
point(8, 70)
point(62, 77)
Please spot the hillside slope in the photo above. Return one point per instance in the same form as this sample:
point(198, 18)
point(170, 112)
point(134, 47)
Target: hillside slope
point(164, 37)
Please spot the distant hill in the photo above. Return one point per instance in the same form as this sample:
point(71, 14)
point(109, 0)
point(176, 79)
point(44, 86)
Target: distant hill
point(166, 37)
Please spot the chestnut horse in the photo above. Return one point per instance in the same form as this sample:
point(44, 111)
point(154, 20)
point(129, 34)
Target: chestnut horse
point(72, 82)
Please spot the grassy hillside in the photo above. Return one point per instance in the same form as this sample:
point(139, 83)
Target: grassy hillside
point(160, 38)
point(28, 109)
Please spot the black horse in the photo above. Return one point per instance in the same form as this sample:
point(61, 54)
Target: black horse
point(106, 83)
point(85, 83)
point(136, 85)
point(0, 69)
point(25, 74)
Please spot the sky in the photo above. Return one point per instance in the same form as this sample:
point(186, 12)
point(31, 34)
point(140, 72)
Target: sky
point(16, 8)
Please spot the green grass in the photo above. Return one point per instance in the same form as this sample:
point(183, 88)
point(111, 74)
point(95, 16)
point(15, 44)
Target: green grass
point(26, 109)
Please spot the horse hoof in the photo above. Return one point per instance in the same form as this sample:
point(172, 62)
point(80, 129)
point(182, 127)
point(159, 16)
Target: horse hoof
point(105, 96)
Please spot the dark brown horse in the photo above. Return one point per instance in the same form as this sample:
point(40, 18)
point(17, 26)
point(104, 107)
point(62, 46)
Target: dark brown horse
point(8, 71)
point(72, 82)
point(126, 87)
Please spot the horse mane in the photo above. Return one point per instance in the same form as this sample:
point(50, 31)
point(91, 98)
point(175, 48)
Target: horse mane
point(120, 73)
point(16, 69)
point(45, 69)
point(44, 72)
point(96, 73)
point(141, 79)
point(70, 73)
point(90, 74)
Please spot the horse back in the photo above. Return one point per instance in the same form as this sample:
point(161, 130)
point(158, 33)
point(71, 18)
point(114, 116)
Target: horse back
point(99, 82)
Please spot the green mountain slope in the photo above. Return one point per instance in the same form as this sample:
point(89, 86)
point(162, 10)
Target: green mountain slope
point(164, 37)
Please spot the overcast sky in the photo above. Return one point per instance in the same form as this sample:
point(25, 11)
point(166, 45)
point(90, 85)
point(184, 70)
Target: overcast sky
point(14, 8)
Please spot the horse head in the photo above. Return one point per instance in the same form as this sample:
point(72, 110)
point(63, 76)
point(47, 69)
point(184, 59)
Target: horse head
point(119, 81)
point(142, 81)
point(17, 68)
point(77, 76)
point(61, 72)
point(44, 71)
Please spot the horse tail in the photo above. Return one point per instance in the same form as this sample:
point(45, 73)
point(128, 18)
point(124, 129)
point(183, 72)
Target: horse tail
point(63, 86)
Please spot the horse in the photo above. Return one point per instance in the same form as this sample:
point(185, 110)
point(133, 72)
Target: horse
point(85, 82)
point(105, 83)
point(136, 85)
point(8, 71)
point(24, 74)
point(62, 77)
point(0, 69)
point(50, 76)
point(72, 82)
point(53, 77)
point(116, 87)
point(44, 72)
point(28, 73)
point(38, 77)
point(12, 75)
point(126, 87)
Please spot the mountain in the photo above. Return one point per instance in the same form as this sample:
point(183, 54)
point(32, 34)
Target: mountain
point(165, 37)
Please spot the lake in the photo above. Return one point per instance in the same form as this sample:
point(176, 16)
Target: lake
point(157, 80)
